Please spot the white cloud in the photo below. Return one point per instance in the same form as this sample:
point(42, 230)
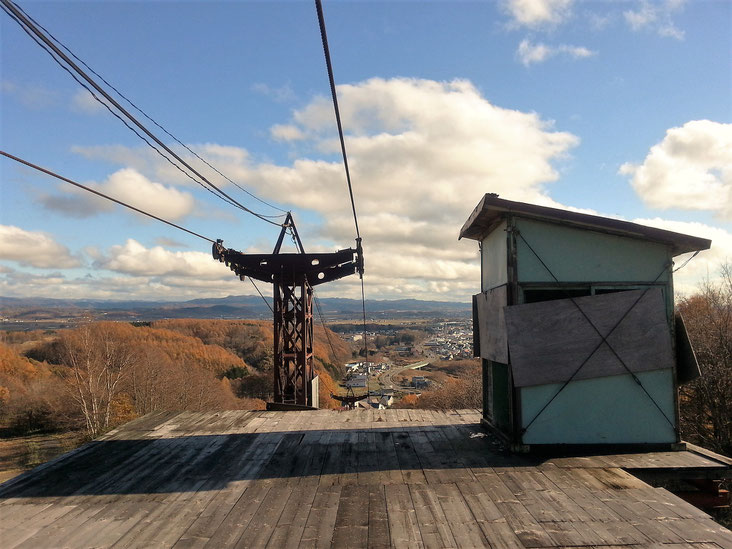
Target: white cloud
point(691, 169)
point(529, 53)
point(133, 258)
point(656, 16)
point(126, 185)
point(23, 284)
point(286, 132)
point(34, 249)
point(83, 101)
point(537, 13)
point(422, 153)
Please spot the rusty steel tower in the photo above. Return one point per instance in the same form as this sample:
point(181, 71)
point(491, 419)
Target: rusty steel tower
point(293, 276)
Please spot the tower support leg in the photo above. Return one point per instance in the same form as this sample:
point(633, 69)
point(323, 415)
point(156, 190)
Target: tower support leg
point(293, 343)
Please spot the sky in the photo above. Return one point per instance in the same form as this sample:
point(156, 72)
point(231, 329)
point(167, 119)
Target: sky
point(618, 108)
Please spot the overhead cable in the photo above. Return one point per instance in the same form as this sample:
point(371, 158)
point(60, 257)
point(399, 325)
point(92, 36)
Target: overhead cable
point(138, 109)
point(326, 52)
point(84, 187)
point(29, 26)
point(112, 112)
point(261, 294)
point(67, 180)
point(334, 95)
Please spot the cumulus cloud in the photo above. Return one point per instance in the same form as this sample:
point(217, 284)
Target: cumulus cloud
point(529, 53)
point(34, 249)
point(537, 13)
point(422, 153)
point(126, 185)
point(133, 258)
point(286, 132)
point(691, 169)
point(115, 287)
point(656, 16)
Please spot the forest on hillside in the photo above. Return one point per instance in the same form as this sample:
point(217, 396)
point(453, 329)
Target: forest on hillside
point(102, 374)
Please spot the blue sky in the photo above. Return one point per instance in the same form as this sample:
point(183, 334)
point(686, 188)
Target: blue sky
point(618, 108)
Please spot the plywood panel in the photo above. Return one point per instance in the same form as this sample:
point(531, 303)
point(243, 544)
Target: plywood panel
point(550, 340)
point(687, 367)
point(491, 324)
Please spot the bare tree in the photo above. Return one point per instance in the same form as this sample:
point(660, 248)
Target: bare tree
point(706, 412)
point(98, 356)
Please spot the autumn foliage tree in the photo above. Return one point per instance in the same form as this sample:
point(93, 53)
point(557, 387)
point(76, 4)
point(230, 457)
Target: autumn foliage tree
point(98, 357)
point(706, 409)
point(30, 396)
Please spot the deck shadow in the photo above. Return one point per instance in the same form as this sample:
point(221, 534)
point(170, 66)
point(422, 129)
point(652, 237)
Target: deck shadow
point(189, 463)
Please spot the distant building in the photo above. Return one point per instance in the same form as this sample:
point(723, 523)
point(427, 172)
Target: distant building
point(420, 382)
point(576, 327)
point(359, 380)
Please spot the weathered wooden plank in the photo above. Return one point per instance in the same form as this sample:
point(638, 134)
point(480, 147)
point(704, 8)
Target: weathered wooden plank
point(459, 517)
point(434, 528)
point(432, 467)
point(367, 461)
point(524, 525)
point(567, 534)
point(378, 520)
point(259, 530)
point(352, 520)
point(404, 529)
point(229, 531)
point(333, 464)
point(349, 460)
point(500, 535)
point(388, 461)
point(409, 462)
point(291, 524)
point(321, 522)
point(237, 468)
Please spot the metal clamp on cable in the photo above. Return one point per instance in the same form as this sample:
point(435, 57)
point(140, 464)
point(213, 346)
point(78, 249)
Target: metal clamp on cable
point(359, 257)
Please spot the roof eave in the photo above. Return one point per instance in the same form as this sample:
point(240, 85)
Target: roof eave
point(490, 209)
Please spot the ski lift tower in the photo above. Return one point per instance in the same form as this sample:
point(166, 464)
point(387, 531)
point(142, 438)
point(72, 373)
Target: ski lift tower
point(293, 276)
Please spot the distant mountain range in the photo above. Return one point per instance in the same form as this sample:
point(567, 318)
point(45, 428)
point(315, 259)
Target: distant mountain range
point(243, 306)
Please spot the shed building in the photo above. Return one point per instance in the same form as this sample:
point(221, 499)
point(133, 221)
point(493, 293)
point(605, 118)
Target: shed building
point(576, 328)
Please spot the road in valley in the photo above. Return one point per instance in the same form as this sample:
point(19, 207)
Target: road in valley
point(386, 379)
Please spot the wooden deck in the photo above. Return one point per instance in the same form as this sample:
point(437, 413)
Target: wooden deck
point(371, 478)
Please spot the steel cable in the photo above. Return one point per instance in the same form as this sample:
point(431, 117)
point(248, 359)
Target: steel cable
point(28, 26)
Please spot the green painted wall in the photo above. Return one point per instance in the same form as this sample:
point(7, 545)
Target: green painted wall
point(609, 410)
point(576, 255)
point(494, 259)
